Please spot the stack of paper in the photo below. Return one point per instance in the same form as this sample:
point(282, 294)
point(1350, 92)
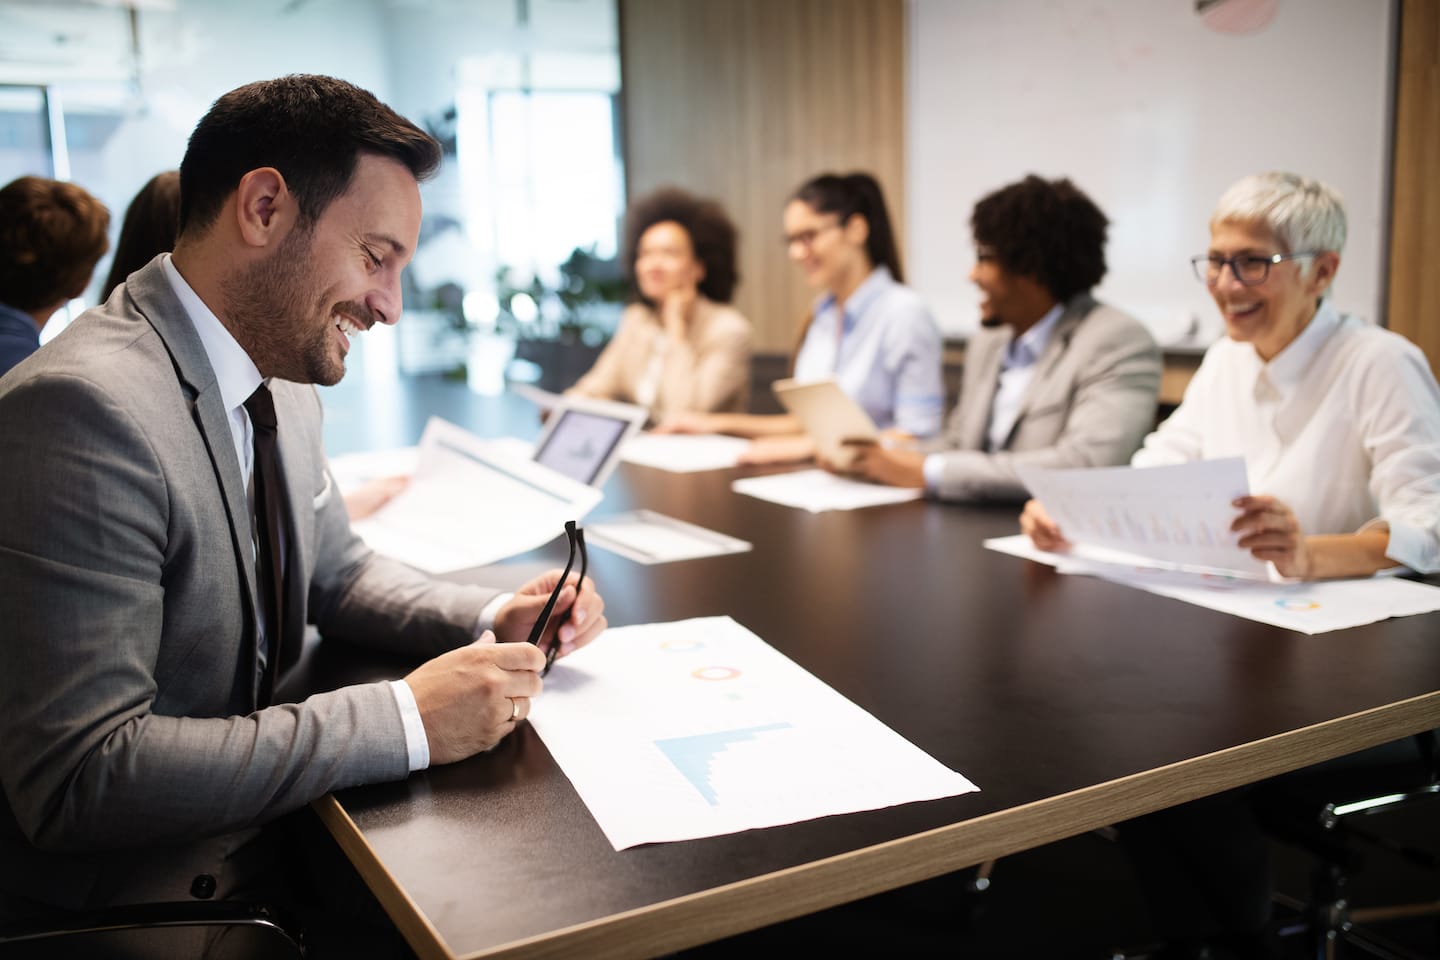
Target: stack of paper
point(684, 453)
point(817, 491)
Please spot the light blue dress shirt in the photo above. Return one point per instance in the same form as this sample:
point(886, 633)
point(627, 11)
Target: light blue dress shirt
point(884, 350)
point(1017, 369)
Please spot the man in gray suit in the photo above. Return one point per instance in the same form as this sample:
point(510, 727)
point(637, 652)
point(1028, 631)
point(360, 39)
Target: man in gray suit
point(139, 755)
point(1053, 378)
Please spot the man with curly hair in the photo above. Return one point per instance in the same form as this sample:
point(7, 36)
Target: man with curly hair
point(52, 234)
point(1053, 378)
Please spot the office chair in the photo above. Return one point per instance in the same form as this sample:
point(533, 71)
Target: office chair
point(246, 931)
point(1325, 812)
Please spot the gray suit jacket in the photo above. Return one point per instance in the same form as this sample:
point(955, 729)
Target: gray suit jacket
point(1090, 404)
point(132, 755)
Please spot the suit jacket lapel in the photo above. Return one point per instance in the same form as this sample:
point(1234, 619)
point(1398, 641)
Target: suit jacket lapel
point(979, 394)
point(1075, 311)
point(156, 301)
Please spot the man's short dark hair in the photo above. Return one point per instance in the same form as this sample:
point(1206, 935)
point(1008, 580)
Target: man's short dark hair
point(312, 129)
point(711, 234)
point(1047, 230)
point(52, 234)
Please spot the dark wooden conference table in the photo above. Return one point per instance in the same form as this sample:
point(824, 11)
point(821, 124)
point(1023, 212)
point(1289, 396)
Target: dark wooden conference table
point(1073, 703)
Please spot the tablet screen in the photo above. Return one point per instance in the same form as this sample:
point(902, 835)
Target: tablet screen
point(581, 444)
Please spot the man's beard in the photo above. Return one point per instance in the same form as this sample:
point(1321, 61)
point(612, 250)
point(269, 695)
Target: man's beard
point(271, 313)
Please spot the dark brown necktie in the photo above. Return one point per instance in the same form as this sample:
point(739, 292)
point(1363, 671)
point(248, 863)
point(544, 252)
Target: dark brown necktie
point(269, 570)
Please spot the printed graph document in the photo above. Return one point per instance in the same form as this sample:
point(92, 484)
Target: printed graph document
point(684, 453)
point(472, 502)
point(649, 537)
point(818, 491)
point(1314, 607)
point(1175, 516)
point(674, 731)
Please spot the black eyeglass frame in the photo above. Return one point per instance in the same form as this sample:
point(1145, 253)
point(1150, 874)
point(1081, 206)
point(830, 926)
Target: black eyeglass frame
point(1202, 264)
point(576, 535)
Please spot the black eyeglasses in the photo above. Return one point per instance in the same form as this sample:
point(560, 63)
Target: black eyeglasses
point(807, 238)
point(1250, 269)
point(576, 536)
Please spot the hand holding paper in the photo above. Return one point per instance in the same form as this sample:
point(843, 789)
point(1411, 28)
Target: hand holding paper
point(1177, 516)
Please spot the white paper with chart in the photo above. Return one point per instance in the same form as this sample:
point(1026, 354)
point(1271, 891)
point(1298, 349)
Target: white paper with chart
point(698, 728)
point(472, 502)
point(1316, 606)
point(1177, 516)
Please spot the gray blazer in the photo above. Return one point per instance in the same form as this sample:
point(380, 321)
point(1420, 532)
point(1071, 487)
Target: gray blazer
point(132, 755)
point(1090, 404)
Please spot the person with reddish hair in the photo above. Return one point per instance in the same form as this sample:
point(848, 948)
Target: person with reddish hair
point(52, 234)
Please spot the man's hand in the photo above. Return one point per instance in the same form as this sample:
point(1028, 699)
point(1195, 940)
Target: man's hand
point(1036, 524)
point(585, 621)
point(1269, 530)
point(878, 463)
point(374, 494)
point(471, 697)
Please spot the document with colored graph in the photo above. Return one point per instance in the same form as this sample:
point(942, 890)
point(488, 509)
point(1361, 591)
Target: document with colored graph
point(697, 728)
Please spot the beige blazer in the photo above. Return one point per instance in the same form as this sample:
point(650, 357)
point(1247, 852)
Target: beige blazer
point(132, 753)
point(1090, 404)
point(706, 372)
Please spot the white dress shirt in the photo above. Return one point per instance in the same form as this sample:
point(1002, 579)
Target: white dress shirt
point(237, 377)
point(1343, 426)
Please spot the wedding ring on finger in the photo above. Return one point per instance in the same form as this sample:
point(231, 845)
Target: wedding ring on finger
point(514, 709)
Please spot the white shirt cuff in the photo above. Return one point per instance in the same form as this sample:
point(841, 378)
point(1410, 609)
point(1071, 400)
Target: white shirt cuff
point(417, 744)
point(934, 468)
point(487, 615)
point(1408, 546)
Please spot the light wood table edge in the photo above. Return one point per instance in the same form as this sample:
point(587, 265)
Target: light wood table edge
point(771, 898)
point(417, 929)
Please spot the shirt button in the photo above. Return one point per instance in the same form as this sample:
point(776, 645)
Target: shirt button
point(202, 887)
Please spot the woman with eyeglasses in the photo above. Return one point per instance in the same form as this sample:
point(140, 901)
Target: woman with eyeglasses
point(867, 330)
point(1338, 420)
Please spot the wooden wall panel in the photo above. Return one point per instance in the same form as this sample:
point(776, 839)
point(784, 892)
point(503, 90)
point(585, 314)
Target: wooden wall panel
point(742, 100)
point(1414, 291)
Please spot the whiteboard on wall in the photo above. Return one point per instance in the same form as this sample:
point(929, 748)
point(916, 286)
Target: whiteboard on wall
point(1153, 113)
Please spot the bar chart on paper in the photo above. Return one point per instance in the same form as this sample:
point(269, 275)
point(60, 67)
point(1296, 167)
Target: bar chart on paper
point(1174, 515)
point(698, 728)
point(702, 757)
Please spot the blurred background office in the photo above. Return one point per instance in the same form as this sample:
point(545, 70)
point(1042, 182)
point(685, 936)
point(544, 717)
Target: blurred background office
point(553, 112)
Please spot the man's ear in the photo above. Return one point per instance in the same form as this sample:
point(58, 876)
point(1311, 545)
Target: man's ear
point(265, 209)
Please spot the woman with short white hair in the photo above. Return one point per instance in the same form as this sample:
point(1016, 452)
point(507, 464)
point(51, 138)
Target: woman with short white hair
point(1338, 420)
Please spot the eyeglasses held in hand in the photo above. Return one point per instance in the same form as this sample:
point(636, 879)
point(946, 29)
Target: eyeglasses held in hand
point(1250, 269)
point(576, 536)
